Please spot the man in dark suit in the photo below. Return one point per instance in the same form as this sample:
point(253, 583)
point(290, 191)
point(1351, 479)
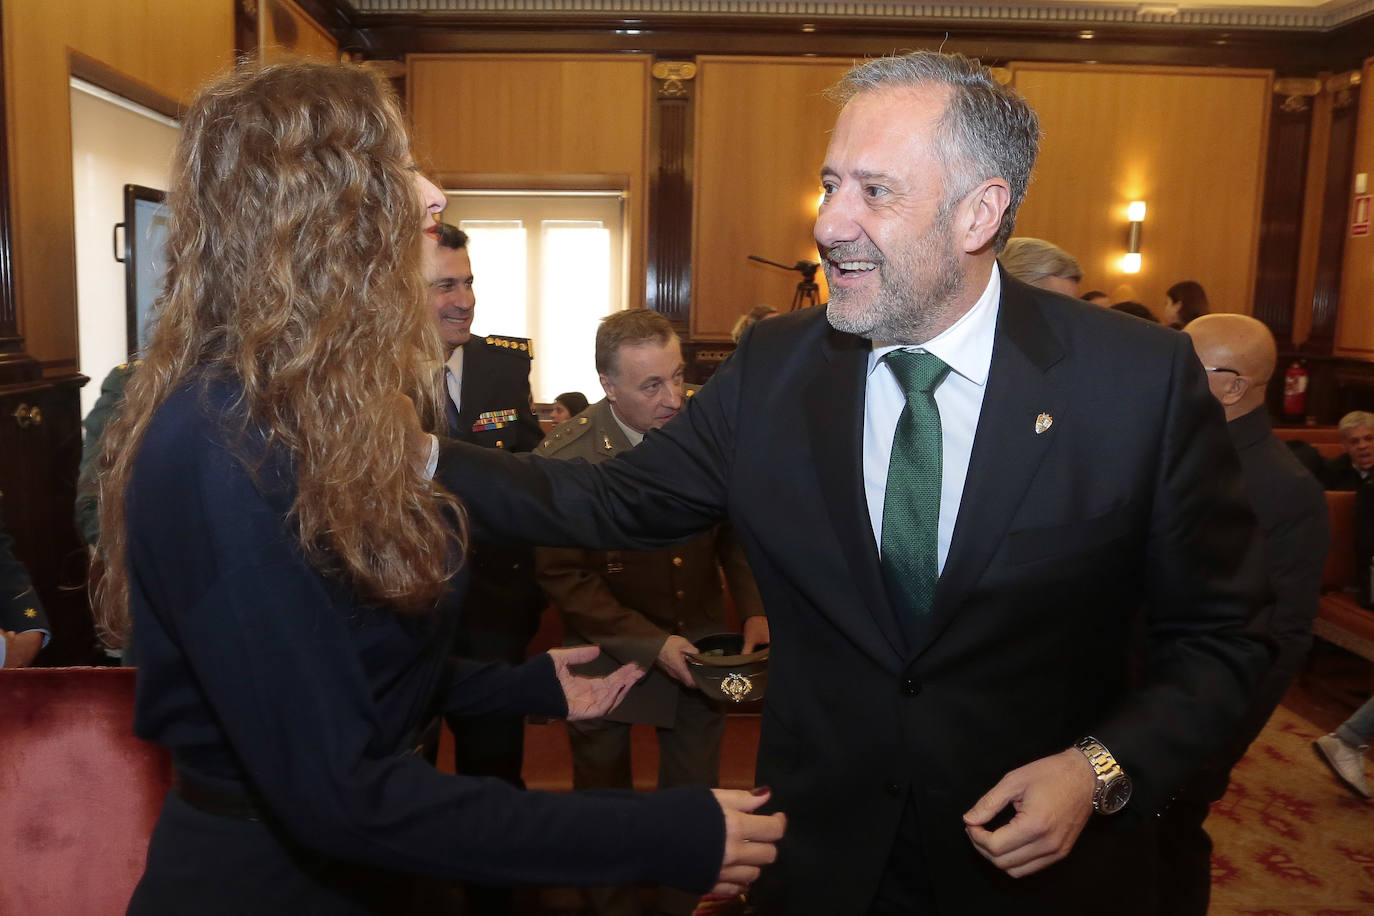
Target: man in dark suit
point(954, 555)
point(1238, 354)
point(644, 606)
point(1355, 468)
point(487, 403)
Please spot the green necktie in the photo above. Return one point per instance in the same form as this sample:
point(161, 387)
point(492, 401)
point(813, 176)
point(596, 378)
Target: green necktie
point(911, 506)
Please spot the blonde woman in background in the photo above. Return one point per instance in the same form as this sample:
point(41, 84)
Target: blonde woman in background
point(757, 313)
point(1042, 264)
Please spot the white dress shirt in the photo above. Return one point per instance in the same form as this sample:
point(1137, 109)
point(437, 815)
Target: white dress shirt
point(453, 378)
point(634, 435)
point(966, 347)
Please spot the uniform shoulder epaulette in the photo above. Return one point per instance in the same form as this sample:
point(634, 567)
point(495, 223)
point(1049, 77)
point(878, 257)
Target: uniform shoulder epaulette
point(564, 434)
point(521, 345)
point(129, 367)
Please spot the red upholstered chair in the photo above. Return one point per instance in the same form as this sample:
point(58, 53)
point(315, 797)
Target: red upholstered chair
point(78, 792)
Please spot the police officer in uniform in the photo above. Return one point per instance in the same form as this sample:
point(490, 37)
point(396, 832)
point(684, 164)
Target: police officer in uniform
point(488, 402)
point(645, 607)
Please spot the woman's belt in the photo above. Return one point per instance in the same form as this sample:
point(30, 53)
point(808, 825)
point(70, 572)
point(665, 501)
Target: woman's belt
point(217, 800)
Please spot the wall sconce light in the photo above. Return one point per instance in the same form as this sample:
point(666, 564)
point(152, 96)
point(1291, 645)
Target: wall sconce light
point(1135, 212)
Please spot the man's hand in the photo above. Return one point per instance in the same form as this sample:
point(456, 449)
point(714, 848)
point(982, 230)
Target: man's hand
point(755, 633)
point(20, 648)
point(591, 697)
point(671, 660)
point(750, 839)
point(1053, 798)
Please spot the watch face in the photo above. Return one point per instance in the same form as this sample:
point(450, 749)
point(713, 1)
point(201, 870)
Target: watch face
point(1115, 795)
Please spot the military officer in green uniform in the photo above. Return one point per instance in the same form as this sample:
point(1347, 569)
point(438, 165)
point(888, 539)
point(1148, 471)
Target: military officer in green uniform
point(644, 606)
point(106, 408)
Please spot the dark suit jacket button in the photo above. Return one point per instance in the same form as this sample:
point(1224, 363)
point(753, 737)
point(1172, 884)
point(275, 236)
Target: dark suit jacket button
point(911, 687)
point(891, 788)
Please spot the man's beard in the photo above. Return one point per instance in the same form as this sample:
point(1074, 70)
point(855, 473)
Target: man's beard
point(915, 291)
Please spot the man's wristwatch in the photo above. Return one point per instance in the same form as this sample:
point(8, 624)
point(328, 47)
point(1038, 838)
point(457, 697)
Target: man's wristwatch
point(1113, 788)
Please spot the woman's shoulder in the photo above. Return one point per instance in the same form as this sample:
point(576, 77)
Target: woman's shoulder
point(196, 416)
point(200, 431)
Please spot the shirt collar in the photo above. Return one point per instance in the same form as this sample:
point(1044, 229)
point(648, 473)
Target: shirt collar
point(966, 345)
point(455, 362)
point(634, 435)
point(1250, 428)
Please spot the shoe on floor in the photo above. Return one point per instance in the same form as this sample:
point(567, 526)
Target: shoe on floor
point(1346, 762)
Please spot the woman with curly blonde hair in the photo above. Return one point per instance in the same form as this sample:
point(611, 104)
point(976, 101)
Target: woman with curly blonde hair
point(289, 570)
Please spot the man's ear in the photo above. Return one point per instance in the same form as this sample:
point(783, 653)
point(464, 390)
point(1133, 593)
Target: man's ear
point(1239, 388)
point(607, 386)
point(980, 215)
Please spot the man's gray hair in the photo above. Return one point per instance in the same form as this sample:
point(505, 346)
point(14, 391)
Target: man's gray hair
point(987, 131)
point(1354, 420)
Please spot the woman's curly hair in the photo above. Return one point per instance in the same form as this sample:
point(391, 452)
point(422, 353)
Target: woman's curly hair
point(294, 268)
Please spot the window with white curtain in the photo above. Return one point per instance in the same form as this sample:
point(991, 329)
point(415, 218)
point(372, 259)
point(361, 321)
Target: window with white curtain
point(546, 265)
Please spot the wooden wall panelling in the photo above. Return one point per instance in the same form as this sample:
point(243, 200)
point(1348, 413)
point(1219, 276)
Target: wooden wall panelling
point(762, 127)
point(1190, 142)
point(170, 46)
point(676, 35)
point(1276, 272)
point(285, 30)
point(669, 268)
point(538, 116)
point(1335, 210)
point(1355, 324)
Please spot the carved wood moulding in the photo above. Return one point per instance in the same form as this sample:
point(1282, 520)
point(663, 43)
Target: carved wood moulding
point(1328, 16)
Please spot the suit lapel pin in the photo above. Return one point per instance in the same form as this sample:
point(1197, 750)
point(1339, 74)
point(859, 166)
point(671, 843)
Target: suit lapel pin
point(1043, 422)
point(606, 443)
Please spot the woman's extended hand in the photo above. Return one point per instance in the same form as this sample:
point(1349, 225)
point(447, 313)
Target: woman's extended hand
point(751, 840)
point(591, 697)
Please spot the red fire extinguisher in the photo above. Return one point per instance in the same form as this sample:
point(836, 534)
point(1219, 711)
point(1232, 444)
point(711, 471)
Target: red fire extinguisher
point(1295, 391)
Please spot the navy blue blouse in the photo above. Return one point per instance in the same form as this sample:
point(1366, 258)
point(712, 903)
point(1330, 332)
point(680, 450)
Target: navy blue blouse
point(258, 671)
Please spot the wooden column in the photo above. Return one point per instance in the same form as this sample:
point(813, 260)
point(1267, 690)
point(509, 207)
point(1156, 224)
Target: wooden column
point(1290, 135)
point(669, 269)
point(1331, 246)
point(15, 364)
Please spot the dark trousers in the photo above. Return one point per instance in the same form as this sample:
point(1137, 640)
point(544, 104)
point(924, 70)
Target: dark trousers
point(689, 755)
point(1184, 880)
point(499, 618)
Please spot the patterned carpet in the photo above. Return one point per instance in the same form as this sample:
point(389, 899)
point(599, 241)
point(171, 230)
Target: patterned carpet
point(1288, 840)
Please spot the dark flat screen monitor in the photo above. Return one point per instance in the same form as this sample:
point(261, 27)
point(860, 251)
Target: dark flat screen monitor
point(145, 264)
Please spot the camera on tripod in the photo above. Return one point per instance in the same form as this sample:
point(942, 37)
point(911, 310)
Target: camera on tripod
point(806, 294)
